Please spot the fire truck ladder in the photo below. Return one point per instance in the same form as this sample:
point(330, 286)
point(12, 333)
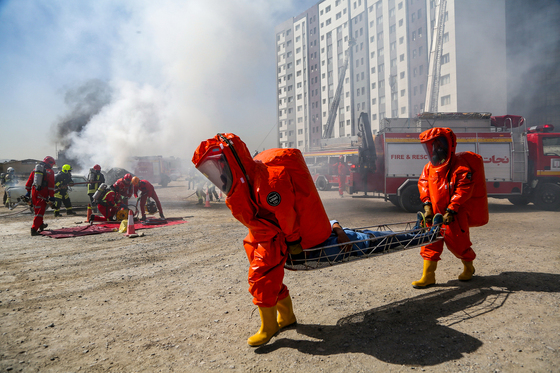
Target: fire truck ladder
point(336, 100)
point(432, 87)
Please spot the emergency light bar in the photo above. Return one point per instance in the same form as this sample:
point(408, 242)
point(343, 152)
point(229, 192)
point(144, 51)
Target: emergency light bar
point(541, 128)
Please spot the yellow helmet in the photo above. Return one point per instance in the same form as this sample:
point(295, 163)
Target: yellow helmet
point(135, 180)
point(66, 168)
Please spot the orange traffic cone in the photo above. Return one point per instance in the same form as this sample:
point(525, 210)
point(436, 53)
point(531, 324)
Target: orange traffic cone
point(130, 225)
point(207, 204)
point(88, 212)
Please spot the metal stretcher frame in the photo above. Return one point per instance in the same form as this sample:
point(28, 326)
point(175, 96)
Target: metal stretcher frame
point(317, 258)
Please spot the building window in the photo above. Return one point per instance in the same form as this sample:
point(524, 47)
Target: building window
point(445, 58)
point(394, 96)
point(373, 117)
point(401, 57)
point(393, 45)
point(393, 62)
point(403, 91)
point(392, 29)
point(401, 40)
point(392, 12)
point(445, 79)
point(403, 110)
point(420, 32)
point(446, 37)
point(400, 22)
point(446, 100)
point(413, 35)
point(402, 75)
point(372, 85)
point(373, 101)
point(400, 5)
point(395, 113)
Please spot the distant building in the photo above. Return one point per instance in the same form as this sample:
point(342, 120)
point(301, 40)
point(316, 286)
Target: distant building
point(23, 168)
point(388, 45)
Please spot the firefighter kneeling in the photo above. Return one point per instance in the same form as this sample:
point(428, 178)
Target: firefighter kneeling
point(453, 185)
point(106, 200)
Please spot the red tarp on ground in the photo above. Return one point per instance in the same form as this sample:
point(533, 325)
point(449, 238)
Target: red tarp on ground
point(85, 230)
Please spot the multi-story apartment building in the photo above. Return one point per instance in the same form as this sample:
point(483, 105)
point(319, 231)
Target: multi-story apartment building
point(387, 43)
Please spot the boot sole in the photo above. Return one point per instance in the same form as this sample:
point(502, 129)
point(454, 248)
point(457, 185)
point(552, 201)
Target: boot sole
point(423, 287)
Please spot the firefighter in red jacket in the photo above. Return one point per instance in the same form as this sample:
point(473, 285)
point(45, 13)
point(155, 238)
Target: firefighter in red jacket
point(280, 218)
point(123, 187)
point(40, 186)
point(445, 187)
point(107, 203)
point(148, 191)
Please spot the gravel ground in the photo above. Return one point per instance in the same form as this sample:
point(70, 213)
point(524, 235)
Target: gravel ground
point(177, 300)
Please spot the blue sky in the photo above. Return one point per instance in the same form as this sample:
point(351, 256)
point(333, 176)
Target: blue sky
point(179, 72)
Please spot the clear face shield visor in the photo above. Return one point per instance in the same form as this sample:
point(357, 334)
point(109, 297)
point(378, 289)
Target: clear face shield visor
point(438, 150)
point(216, 169)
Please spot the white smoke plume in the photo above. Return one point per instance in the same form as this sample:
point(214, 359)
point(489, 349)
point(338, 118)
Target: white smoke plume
point(181, 71)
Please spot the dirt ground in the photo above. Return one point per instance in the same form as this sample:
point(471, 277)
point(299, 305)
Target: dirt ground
point(177, 300)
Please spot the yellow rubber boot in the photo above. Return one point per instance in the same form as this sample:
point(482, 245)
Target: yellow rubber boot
point(468, 271)
point(269, 327)
point(428, 276)
point(286, 315)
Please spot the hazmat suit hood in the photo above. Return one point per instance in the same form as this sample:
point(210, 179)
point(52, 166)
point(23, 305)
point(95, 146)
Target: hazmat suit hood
point(225, 156)
point(440, 144)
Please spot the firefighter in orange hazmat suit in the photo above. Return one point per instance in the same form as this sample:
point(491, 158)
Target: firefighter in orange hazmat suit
point(282, 211)
point(445, 187)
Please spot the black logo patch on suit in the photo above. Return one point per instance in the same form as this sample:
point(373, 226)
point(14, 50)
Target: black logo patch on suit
point(469, 175)
point(273, 198)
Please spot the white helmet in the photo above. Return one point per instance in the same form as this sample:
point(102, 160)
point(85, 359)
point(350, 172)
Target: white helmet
point(11, 169)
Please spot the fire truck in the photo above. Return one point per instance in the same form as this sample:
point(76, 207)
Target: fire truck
point(323, 165)
point(155, 169)
point(521, 164)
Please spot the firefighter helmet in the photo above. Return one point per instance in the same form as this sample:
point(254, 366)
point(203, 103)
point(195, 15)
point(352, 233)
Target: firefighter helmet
point(66, 168)
point(10, 169)
point(49, 161)
point(135, 180)
point(97, 167)
point(127, 178)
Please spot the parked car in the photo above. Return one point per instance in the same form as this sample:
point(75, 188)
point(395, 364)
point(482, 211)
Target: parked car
point(78, 193)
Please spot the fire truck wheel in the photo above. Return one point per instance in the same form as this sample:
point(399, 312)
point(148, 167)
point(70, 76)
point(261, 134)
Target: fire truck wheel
point(547, 197)
point(410, 198)
point(322, 183)
point(519, 200)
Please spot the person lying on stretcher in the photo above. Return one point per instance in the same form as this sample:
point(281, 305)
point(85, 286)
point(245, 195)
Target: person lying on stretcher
point(363, 242)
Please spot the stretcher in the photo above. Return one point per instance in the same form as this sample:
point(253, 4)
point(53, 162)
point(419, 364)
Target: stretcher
point(396, 237)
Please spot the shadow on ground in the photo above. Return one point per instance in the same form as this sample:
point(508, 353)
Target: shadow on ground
point(418, 331)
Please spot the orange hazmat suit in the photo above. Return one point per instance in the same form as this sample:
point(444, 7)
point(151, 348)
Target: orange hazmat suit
point(274, 196)
point(447, 184)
